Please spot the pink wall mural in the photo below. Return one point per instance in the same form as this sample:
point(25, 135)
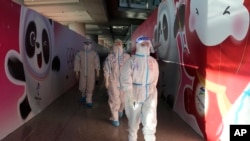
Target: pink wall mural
point(204, 46)
point(37, 63)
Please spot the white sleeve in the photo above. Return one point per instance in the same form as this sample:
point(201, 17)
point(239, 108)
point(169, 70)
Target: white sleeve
point(156, 72)
point(126, 76)
point(106, 67)
point(77, 62)
point(97, 62)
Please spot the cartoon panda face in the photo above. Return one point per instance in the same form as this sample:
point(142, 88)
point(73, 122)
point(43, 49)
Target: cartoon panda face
point(215, 20)
point(36, 50)
point(164, 32)
point(37, 47)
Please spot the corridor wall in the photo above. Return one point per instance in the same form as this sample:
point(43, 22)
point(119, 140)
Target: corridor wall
point(36, 63)
point(203, 48)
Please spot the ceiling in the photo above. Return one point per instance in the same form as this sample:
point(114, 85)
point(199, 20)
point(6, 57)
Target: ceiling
point(109, 19)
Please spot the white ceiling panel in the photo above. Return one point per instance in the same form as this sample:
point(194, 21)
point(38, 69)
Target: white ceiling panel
point(101, 17)
point(73, 16)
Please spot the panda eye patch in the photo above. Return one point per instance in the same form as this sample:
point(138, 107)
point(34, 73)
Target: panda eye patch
point(45, 43)
point(32, 38)
point(46, 46)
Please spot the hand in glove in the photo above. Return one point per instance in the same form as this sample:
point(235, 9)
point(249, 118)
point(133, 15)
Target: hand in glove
point(97, 74)
point(106, 81)
point(97, 77)
point(130, 99)
point(106, 84)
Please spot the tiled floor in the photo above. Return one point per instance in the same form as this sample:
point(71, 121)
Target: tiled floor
point(67, 119)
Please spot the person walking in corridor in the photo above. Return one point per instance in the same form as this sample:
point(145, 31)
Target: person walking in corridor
point(138, 78)
point(87, 67)
point(112, 68)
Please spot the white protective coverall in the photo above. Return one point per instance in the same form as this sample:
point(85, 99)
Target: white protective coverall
point(138, 78)
point(112, 67)
point(87, 63)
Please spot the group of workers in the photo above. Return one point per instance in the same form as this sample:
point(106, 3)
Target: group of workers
point(130, 81)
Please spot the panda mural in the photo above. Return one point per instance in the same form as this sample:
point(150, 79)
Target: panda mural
point(34, 65)
point(164, 34)
point(207, 19)
point(215, 93)
point(167, 50)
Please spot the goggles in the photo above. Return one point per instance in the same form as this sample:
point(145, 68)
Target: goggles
point(117, 43)
point(144, 44)
point(142, 39)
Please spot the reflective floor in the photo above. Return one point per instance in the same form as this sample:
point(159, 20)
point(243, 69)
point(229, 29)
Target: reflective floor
point(67, 119)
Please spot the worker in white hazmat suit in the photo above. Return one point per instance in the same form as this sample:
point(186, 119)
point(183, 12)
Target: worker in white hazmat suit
point(112, 68)
point(138, 79)
point(86, 67)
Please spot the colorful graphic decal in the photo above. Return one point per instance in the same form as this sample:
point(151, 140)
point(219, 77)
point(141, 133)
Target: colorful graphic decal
point(37, 60)
point(209, 41)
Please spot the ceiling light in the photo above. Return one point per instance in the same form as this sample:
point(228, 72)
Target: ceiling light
point(118, 27)
point(45, 2)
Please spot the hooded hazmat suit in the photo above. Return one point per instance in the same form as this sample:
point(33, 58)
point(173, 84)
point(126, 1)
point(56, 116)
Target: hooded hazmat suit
point(112, 67)
point(86, 63)
point(138, 78)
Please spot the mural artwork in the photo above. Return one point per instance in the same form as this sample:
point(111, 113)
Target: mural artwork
point(204, 47)
point(37, 56)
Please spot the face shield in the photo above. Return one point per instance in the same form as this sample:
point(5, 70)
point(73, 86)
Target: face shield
point(87, 45)
point(143, 45)
point(118, 47)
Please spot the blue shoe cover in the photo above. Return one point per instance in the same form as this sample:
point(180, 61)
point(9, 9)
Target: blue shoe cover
point(90, 105)
point(83, 99)
point(115, 123)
